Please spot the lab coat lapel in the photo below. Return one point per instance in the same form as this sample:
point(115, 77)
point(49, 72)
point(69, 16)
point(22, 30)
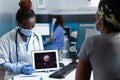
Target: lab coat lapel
point(20, 43)
point(30, 44)
point(34, 43)
point(22, 52)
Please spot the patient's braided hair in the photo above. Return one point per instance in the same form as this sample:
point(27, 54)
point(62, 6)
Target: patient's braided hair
point(25, 11)
point(109, 12)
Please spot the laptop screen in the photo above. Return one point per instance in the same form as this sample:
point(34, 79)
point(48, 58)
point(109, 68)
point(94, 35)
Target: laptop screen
point(45, 60)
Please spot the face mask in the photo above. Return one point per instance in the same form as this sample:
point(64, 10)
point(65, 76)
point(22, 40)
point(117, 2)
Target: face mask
point(97, 32)
point(54, 20)
point(26, 32)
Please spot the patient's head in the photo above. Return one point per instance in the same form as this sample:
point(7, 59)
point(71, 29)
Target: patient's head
point(108, 16)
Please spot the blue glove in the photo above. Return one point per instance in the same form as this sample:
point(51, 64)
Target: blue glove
point(27, 69)
point(41, 78)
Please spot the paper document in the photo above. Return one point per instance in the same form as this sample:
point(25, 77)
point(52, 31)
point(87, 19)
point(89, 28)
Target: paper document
point(27, 77)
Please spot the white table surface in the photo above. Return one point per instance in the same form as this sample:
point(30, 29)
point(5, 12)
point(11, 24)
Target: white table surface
point(45, 76)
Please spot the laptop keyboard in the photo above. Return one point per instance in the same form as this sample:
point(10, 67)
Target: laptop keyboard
point(64, 71)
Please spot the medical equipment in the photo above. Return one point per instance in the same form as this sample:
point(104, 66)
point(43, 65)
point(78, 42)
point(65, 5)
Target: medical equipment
point(43, 29)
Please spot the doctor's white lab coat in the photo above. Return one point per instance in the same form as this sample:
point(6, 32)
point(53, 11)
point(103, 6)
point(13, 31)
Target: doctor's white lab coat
point(8, 51)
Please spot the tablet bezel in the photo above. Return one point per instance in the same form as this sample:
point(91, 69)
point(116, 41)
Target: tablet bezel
point(42, 52)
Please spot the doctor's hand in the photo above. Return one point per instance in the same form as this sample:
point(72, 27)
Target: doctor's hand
point(27, 69)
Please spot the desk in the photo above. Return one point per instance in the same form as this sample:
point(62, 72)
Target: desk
point(45, 76)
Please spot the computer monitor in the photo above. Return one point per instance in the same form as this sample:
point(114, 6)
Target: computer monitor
point(67, 32)
point(43, 28)
point(84, 31)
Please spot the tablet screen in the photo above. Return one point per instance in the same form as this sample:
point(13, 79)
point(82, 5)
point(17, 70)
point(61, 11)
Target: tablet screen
point(45, 60)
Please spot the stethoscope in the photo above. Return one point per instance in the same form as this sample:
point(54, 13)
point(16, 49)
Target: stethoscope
point(16, 43)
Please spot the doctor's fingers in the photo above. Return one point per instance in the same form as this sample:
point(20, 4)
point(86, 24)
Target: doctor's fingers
point(30, 72)
point(30, 69)
point(28, 65)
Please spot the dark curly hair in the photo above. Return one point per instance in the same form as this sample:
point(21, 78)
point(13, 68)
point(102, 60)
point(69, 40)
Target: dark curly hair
point(59, 21)
point(25, 11)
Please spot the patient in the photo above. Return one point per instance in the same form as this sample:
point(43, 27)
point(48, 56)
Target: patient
point(101, 54)
point(57, 37)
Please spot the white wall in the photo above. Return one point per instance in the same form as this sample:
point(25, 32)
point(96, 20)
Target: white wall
point(8, 9)
point(68, 7)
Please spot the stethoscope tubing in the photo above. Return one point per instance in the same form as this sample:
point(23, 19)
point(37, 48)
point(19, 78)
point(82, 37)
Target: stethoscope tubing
point(16, 44)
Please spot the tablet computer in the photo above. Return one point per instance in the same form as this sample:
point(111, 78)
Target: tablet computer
point(45, 60)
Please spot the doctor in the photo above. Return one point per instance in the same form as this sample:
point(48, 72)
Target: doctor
point(57, 36)
point(16, 45)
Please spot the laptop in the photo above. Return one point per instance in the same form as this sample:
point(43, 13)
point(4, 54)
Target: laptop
point(45, 60)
